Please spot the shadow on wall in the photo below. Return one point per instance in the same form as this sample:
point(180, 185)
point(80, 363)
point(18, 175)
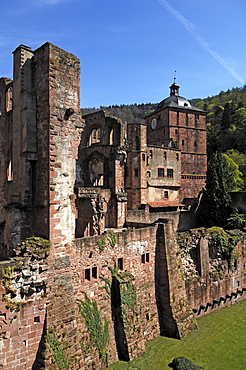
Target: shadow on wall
point(168, 326)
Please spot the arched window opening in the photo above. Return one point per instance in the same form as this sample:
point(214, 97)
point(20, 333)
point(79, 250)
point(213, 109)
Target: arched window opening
point(9, 99)
point(111, 137)
point(96, 171)
point(95, 136)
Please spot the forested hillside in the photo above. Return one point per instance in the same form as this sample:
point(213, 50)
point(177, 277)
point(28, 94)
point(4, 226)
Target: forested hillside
point(226, 118)
point(130, 113)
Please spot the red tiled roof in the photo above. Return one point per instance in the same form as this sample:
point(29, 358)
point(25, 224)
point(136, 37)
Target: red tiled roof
point(166, 203)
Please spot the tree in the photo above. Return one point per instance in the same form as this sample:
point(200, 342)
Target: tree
point(214, 207)
point(236, 182)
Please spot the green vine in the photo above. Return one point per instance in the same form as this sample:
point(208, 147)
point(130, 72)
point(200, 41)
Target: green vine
point(127, 292)
point(98, 331)
point(57, 351)
point(102, 244)
point(111, 241)
point(7, 279)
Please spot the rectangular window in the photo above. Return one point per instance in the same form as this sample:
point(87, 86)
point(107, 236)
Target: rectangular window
point(143, 157)
point(187, 119)
point(120, 263)
point(87, 274)
point(170, 173)
point(183, 142)
point(165, 194)
point(145, 258)
point(150, 153)
point(148, 174)
point(136, 172)
point(94, 272)
point(165, 155)
point(161, 172)
point(177, 156)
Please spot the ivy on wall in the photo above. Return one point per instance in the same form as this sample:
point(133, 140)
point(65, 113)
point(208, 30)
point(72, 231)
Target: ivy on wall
point(110, 240)
point(59, 356)
point(98, 331)
point(127, 292)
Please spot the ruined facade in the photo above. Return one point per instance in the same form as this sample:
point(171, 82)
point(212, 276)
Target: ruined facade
point(89, 209)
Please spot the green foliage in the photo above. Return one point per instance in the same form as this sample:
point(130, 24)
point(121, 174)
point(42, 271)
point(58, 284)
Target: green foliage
point(127, 292)
point(214, 207)
point(59, 357)
point(235, 182)
point(226, 242)
point(102, 244)
point(183, 363)
point(238, 158)
point(99, 332)
point(11, 304)
point(236, 221)
point(34, 246)
point(111, 240)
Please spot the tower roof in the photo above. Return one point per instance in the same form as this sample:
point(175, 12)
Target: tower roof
point(175, 100)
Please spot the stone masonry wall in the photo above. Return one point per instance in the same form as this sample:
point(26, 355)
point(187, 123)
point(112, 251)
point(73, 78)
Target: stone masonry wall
point(22, 306)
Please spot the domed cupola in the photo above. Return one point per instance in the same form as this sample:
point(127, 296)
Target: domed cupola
point(174, 88)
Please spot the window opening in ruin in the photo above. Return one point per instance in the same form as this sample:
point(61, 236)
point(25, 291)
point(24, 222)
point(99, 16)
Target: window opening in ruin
point(90, 255)
point(238, 283)
point(96, 170)
point(95, 136)
point(111, 137)
point(170, 173)
point(9, 99)
point(120, 263)
point(177, 118)
point(165, 155)
point(183, 142)
point(161, 172)
point(147, 316)
point(143, 157)
point(148, 174)
point(165, 194)
point(150, 153)
point(87, 274)
point(177, 156)
point(194, 143)
point(176, 131)
point(187, 119)
point(37, 319)
point(9, 172)
point(136, 172)
point(94, 272)
point(147, 257)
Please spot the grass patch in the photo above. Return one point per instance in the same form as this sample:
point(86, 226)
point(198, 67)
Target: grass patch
point(218, 343)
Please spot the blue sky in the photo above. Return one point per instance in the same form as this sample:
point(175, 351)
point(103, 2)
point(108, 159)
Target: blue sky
point(129, 49)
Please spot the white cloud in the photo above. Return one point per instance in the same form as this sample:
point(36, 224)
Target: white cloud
point(190, 27)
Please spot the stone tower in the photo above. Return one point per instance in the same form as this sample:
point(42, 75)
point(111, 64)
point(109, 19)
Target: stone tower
point(176, 119)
